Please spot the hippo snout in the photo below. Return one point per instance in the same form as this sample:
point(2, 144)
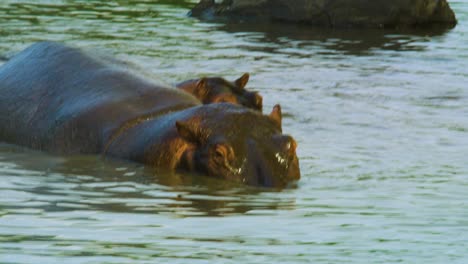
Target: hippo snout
point(275, 166)
point(269, 176)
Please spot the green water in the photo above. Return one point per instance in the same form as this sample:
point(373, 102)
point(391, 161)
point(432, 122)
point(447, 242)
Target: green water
point(381, 120)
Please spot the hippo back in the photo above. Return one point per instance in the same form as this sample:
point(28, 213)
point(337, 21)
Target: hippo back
point(61, 99)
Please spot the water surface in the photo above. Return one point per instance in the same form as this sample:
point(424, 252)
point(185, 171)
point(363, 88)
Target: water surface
point(380, 118)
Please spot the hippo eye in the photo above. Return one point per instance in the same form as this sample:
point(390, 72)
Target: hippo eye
point(223, 157)
point(222, 153)
point(225, 98)
point(219, 153)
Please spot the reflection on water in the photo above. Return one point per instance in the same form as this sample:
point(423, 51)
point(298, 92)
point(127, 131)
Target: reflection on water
point(92, 183)
point(379, 117)
point(352, 42)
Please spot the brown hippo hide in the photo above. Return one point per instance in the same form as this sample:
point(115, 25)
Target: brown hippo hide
point(332, 13)
point(63, 100)
point(217, 90)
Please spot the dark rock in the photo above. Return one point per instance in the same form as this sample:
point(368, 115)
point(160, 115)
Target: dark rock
point(331, 13)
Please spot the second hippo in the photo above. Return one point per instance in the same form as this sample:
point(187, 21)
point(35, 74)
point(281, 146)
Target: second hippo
point(217, 90)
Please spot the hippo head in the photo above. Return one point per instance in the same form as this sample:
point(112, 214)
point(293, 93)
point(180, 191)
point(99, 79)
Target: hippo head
point(241, 145)
point(219, 90)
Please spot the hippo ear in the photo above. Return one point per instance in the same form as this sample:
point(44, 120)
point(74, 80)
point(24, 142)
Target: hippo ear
point(188, 131)
point(242, 81)
point(276, 115)
point(201, 90)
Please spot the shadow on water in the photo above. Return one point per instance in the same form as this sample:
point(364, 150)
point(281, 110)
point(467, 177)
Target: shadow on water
point(348, 41)
point(92, 183)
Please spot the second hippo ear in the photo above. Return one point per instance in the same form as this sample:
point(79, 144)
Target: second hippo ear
point(242, 81)
point(277, 116)
point(201, 89)
point(188, 131)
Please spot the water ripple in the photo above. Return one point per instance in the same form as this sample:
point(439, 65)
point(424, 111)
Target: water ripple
point(379, 117)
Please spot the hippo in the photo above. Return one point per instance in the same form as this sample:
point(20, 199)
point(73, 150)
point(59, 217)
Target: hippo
point(217, 89)
point(66, 101)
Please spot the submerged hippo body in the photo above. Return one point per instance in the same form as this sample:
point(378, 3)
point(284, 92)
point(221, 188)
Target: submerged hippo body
point(63, 100)
point(218, 90)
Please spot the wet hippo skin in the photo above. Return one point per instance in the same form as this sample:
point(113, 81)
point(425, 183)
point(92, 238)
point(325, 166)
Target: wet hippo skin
point(67, 101)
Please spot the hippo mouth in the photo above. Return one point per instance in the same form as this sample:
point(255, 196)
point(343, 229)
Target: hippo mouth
point(262, 179)
point(281, 177)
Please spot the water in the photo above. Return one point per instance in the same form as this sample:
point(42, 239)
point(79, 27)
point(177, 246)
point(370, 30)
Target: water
point(380, 118)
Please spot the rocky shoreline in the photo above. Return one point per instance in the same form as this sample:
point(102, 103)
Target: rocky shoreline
point(331, 13)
